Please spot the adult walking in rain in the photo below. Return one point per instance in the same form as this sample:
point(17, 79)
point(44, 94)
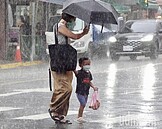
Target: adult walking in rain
point(63, 81)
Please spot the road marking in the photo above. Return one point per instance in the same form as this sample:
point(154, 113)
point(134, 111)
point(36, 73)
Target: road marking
point(130, 120)
point(22, 91)
point(9, 94)
point(25, 81)
point(34, 117)
point(14, 65)
point(41, 116)
point(8, 109)
point(33, 90)
point(126, 120)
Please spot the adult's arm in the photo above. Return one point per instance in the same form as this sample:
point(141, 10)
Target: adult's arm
point(65, 31)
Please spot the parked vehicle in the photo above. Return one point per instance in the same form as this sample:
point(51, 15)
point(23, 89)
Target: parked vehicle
point(137, 38)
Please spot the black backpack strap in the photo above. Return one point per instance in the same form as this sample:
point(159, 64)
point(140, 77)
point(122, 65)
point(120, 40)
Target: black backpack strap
point(66, 39)
point(50, 81)
point(56, 33)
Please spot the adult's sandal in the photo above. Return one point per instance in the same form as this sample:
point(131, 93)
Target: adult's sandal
point(55, 118)
point(63, 121)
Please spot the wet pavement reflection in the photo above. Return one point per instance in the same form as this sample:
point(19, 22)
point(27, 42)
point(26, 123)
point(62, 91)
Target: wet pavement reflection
point(130, 95)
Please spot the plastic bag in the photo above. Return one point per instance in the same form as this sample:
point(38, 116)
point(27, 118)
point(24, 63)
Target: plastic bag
point(95, 104)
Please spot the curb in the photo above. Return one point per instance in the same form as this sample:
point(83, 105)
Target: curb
point(14, 65)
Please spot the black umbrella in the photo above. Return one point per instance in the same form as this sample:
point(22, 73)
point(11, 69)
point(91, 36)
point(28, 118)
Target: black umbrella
point(91, 11)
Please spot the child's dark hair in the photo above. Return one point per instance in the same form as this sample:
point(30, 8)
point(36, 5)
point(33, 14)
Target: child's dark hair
point(82, 59)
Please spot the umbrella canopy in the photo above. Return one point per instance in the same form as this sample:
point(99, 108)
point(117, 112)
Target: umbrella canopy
point(91, 11)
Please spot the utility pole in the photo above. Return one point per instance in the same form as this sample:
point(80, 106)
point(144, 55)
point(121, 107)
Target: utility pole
point(32, 56)
point(3, 28)
point(146, 4)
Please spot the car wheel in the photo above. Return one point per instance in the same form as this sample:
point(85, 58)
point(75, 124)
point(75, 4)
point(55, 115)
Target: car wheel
point(114, 56)
point(133, 57)
point(154, 52)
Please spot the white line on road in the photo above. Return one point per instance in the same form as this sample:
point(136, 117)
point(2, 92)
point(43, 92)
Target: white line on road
point(25, 81)
point(9, 94)
point(34, 117)
point(33, 90)
point(42, 116)
point(127, 120)
point(21, 91)
point(130, 120)
point(8, 109)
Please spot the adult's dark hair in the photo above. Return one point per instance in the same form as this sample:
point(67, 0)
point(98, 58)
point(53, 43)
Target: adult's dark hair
point(82, 59)
point(67, 17)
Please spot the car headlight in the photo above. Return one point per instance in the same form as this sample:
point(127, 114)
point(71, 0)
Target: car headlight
point(79, 44)
point(112, 39)
point(147, 38)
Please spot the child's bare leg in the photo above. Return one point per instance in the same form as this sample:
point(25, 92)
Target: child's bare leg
point(80, 112)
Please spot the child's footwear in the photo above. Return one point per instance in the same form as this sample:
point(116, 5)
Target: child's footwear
point(81, 120)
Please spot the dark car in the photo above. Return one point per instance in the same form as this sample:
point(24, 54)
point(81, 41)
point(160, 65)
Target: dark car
point(137, 38)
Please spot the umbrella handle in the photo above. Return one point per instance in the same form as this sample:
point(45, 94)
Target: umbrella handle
point(102, 28)
point(88, 26)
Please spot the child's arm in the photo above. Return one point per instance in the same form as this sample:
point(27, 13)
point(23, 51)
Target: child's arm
point(94, 88)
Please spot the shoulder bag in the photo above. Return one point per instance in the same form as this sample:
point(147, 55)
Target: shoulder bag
point(63, 57)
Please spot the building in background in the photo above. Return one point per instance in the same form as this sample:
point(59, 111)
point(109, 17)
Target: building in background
point(36, 13)
point(3, 29)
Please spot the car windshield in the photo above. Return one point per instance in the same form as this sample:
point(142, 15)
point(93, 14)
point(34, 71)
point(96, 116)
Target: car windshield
point(139, 27)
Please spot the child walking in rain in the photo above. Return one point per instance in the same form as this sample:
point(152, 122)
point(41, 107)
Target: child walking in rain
point(84, 78)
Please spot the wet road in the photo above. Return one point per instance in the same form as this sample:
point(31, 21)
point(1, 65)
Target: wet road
point(130, 95)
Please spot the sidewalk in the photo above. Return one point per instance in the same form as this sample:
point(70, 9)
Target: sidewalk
point(10, 64)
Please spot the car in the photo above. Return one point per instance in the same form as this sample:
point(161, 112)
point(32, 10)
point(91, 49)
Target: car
point(137, 38)
point(94, 43)
point(99, 44)
point(82, 44)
